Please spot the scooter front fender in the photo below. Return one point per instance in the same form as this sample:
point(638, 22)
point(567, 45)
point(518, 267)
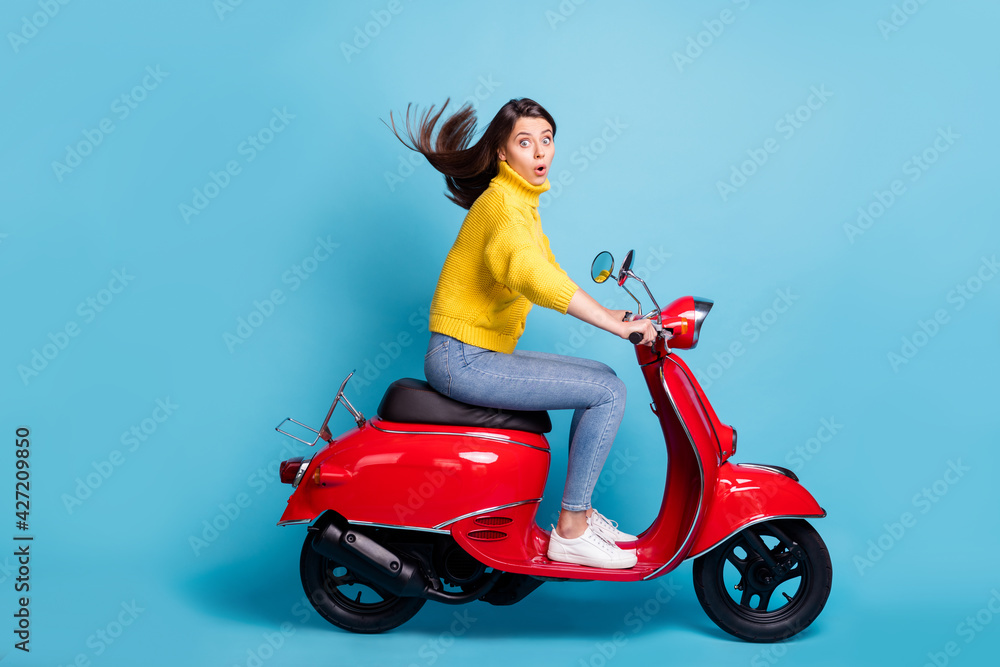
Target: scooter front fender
point(749, 493)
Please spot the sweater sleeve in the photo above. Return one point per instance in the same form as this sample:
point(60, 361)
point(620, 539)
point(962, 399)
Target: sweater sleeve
point(552, 258)
point(515, 261)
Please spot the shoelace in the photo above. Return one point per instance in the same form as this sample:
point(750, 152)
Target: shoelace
point(599, 541)
point(603, 526)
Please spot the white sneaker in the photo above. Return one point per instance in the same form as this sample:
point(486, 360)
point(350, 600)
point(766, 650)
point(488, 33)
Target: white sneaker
point(608, 529)
point(589, 549)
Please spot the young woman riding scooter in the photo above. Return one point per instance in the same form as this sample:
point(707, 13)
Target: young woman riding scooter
point(499, 265)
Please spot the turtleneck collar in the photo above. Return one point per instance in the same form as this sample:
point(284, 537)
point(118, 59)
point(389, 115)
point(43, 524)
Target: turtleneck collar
point(513, 182)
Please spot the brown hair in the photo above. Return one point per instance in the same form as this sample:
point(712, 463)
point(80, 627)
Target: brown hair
point(467, 170)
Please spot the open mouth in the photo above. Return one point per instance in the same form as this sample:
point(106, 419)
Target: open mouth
point(540, 169)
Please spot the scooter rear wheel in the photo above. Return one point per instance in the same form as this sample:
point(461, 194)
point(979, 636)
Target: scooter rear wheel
point(348, 601)
point(766, 604)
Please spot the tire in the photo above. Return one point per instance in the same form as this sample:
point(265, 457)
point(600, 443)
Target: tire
point(348, 601)
point(758, 613)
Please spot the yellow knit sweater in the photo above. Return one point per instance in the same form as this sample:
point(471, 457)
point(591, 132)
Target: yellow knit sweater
point(499, 265)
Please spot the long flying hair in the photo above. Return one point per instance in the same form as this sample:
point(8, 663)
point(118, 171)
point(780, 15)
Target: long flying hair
point(467, 170)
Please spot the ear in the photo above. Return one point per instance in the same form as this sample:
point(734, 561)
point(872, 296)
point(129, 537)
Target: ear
point(500, 154)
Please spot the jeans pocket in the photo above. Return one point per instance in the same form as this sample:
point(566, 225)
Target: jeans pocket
point(435, 350)
point(436, 368)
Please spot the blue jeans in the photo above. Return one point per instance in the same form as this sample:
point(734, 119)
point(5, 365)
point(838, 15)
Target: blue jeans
point(538, 381)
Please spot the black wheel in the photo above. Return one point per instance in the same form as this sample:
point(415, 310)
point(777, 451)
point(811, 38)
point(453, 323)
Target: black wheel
point(348, 601)
point(767, 582)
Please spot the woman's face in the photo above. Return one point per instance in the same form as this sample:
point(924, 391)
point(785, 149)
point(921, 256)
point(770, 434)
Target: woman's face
point(529, 149)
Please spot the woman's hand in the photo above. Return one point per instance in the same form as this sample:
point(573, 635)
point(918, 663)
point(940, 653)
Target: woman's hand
point(584, 307)
point(644, 327)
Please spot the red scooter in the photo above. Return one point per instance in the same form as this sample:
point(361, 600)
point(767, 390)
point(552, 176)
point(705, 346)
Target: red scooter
point(433, 499)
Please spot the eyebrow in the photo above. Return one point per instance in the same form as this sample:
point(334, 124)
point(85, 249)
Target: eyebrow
point(529, 134)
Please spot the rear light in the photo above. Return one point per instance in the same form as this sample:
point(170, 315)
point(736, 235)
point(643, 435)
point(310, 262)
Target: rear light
point(291, 471)
point(288, 469)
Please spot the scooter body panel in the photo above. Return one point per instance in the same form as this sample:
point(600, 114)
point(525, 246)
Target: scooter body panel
point(511, 540)
point(420, 476)
point(747, 494)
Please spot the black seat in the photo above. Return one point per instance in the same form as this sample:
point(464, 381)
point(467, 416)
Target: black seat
point(414, 401)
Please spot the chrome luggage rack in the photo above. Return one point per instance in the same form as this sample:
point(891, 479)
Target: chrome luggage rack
point(323, 431)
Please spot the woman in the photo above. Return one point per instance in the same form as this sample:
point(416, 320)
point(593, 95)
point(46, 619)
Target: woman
point(499, 266)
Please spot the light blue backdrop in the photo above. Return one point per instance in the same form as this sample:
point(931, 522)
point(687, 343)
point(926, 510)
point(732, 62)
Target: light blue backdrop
point(824, 172)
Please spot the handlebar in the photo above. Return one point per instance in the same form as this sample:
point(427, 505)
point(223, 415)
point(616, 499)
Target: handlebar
point(635, 337)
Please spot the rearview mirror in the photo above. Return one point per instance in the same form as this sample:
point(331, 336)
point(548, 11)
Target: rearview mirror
point(603, 266)
point(626, 265)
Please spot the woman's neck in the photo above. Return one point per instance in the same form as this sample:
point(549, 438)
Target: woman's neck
point(516, 184)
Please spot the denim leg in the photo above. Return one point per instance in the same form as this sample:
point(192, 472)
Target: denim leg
point(544, 381)
point(590, 363)
point(436, 363)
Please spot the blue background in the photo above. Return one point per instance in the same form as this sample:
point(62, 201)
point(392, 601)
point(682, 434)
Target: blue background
point(672, 131)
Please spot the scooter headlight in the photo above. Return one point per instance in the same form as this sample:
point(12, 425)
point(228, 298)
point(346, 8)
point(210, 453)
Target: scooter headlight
point(701, 308)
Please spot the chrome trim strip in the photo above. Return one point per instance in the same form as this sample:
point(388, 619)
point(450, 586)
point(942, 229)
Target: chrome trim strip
point(777, 469)
point(754, 523)
point(290, 523)
point(389, 525)
point(701, 308)
point(701, 475)
point(302, 471)
point(487, 436)
point(488, 509)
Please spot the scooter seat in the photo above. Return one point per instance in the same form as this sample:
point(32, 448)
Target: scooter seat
point(416, 402)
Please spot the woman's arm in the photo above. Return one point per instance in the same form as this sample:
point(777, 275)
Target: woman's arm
point(583, 306)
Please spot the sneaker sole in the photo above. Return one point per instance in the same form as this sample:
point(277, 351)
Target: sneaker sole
point(583, 560)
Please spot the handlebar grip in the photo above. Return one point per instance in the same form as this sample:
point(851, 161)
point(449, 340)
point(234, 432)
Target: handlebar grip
point(635, 338)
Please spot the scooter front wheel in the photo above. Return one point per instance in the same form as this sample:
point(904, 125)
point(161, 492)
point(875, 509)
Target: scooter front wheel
point(767, 582)
point(348, 601)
